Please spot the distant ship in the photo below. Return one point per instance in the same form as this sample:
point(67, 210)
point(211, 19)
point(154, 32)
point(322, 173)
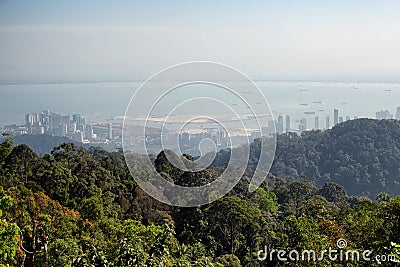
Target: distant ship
point(320, 110)
point(304, 104)
point(234, 104)
point(309, 113)
point(355, 87)
point(388, 90)
point(317, 102)
point(303, 90)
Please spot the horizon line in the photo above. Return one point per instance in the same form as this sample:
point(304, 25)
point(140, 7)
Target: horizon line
point(16, 83)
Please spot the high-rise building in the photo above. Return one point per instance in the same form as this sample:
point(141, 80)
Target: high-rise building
point(288, 123)
point(31, 119)
point(28, 119)
point(222, 138)
point(255, 135)
point(88, 131)
point(77, 119)
point(54, 121)
point(279, 125)
point(42, 118)
point(383, 115)
point(327, 123)
point(316, 124)
point(398, 113)
point(303, 125)
point(340, 119)
point(109, 128)
point(65, 119)
point(81, 127)
point(72, 127)
point(335, 116)
point(184, 138)
point(271, 129)
point(63, 129)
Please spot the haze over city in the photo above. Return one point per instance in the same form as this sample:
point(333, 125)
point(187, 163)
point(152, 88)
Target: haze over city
point(47, 48)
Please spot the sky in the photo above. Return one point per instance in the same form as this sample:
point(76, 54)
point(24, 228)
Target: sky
point(46, 41)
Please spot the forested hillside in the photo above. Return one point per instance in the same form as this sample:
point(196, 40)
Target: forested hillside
point(82, 207)
point(42, 143)
point(363, 155)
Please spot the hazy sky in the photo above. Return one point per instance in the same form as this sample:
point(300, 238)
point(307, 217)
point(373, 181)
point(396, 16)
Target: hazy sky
point(98, 40)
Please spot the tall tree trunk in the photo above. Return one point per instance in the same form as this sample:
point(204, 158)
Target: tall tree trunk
point(46, 255)
point(32, 263)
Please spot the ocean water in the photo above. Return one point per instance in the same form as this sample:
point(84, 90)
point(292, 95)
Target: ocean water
point(96, 101)
point(108, 100)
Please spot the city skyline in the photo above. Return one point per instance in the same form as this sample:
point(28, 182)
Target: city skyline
point(78, 129)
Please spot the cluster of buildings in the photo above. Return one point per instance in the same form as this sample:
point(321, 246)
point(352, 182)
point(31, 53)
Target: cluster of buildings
point(76, 127)
point(282, 125)
point(219, 137)
point(386, 115)
point(188, 140)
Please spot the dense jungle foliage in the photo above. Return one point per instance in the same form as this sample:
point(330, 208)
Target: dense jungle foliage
point(82, 207)
point(363, 155)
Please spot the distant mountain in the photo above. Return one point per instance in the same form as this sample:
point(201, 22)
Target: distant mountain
point(42, 143)
point(363, 155)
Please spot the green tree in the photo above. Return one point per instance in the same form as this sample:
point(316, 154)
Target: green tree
point(9, 233)
point(5, 147)
point(20, 162)
point(267, 201)
point(229, 260)
point(233, 225)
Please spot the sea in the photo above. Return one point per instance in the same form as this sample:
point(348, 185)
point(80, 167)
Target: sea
point(108, 101)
